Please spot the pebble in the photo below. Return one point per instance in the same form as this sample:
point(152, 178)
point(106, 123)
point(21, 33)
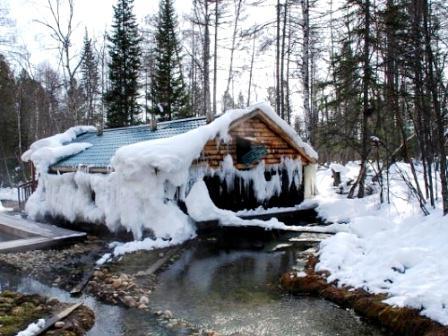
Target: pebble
point(167, 314)
point(59, 324)
point(129, 301)
point(144, 300)
point(142, 306)
point(98, 274)
point(117, 283)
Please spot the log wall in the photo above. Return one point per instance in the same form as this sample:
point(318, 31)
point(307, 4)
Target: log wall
point(239, 196)
point(261, 133)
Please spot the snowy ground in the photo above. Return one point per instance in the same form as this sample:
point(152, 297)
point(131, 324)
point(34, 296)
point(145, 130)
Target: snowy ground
point(9, 194)
point(391, 249)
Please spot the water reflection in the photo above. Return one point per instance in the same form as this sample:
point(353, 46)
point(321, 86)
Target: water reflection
point(236, 292)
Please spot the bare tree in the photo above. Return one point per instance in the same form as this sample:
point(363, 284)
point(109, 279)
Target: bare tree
point(238, 6)
point(61, 30)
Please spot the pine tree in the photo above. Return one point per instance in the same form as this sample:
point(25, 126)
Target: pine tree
point(169, 93)
point(90, 79)
point(124, 51)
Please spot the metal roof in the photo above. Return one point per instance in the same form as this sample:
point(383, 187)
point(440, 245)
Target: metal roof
point(104, 146)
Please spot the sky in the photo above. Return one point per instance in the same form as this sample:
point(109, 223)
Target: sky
point(95, 15)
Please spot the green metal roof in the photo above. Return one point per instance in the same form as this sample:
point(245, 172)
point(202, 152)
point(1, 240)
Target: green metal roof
point(104, 146)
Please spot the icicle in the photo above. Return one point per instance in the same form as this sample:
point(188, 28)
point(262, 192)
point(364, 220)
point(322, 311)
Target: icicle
point(310, 180)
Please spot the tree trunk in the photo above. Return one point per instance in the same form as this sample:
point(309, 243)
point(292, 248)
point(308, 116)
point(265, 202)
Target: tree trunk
point(306, 69)
point(282, 61)
point(232, 48)
point(277, 62)
point(215, 57)
point(251, 70)
point(365, 100)
point(206, 57)
point(437, 108)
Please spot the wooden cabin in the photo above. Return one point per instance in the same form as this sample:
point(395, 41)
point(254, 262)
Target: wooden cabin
point(255, 138)
point(257, 141)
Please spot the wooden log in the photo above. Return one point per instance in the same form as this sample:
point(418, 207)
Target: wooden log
point(218, 157)
point(57, 317)
point(160, 262)
point(77, 290)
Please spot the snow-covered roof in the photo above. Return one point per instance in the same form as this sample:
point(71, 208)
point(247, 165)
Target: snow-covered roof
point(98, 151)
point(104, 146)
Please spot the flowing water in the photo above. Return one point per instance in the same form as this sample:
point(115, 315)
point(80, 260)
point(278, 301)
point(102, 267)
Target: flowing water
point(235, 292)
point(231, 290)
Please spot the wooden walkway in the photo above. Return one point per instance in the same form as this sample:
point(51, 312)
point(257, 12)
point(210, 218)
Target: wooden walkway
point(32, 235)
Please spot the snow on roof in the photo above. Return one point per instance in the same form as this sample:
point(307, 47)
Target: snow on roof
point(173, 143)
point(45, 152)
point(171, 154)
point(104, 146)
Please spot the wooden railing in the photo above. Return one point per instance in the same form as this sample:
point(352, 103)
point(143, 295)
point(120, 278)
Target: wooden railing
point(24, 191)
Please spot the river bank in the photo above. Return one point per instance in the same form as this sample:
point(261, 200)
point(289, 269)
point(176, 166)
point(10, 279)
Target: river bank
point(18, 311)
point(398, 320)
point(205, 288)
point(387, 260)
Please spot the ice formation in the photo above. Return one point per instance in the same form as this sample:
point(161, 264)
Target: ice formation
point(139, 194)
point(201, 208)
point(261, 187)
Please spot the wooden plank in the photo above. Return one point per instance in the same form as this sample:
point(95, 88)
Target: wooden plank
point(35, 228)
point(34, 243)
point(77, 290)
point(57, 317)
point(12, 245)
point(160, 262)
point(35, 235)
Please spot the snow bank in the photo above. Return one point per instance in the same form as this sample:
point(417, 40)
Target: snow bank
point(146, 244)
point(33, 329)
point(390, 249)
point(45, 152)
point(9, 194)
point(305, 205)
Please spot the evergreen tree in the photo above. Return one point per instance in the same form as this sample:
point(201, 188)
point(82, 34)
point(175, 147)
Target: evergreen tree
point(89, 70)
point(8, 124)
point(169, 93)
point(124, 51)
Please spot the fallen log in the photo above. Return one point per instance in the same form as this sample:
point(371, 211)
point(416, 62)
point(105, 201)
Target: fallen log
point(57, 317)
point(77, 290)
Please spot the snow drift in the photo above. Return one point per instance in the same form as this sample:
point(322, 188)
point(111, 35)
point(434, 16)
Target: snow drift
point(390, 249)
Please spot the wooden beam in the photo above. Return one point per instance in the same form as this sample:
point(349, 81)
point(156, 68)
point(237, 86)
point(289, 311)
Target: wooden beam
point(57, 317)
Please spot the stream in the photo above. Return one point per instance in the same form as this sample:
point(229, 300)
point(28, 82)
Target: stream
point(231, 290)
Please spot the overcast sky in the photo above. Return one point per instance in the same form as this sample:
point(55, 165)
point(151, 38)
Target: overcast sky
point(96, 15)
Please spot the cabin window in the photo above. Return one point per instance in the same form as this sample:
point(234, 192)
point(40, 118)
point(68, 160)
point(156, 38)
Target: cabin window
point(248, 151)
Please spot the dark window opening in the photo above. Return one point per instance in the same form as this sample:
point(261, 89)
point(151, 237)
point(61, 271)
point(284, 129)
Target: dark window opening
point(249, 152)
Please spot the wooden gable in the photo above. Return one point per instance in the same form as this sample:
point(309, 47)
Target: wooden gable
point(260, 130)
